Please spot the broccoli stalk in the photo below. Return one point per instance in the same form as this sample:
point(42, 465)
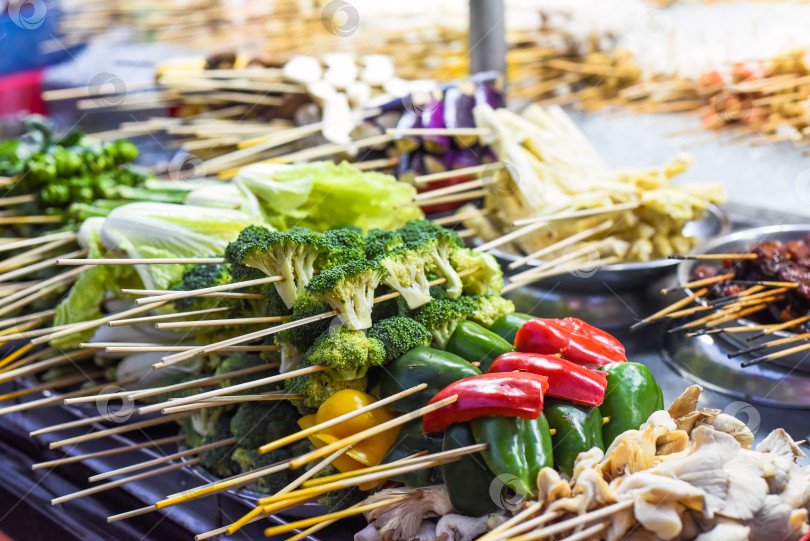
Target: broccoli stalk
point(441, 317)
point(406, 274)
point(291, 255)
point(350, 289)
point(399, 335)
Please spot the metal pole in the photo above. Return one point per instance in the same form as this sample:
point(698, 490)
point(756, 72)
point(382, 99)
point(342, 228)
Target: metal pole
point(487, 38)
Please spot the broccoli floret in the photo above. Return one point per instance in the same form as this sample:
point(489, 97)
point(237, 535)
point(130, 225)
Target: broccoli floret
point(218, 460)
point(406, 274)
point(489, 308)
point(381, 241)
point(240, 361)
point(347, 354)
point(398, 335)
point(249, 236)
point(291, 255)
point(317, 387)
point(296, 341)
point(441, 317)
point(438, 292)
point(437, 245)
point(257, 423)
point(199, 277)
point(350, 289)
point(487, 280)
point(342, 245)
point(337, 500)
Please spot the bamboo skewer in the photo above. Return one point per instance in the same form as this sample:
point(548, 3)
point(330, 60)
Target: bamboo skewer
point(161, 460)
point(226, 295)
point(161, 317)
point(17, 199)
point(458, 132)
point(108, 452)
point(465, 196)
point(151, 408)
point(114, 348)
point(582, 235)
point(318, 527)
point(40, 219)
point(276, 530)
point(26, 360)
point(461, 216)
point(87, 325)
point(577, 214)
point(37, 266)
point(453, 173)
point(215, 322)
point(259, 510)
point(712, 257)
point(777, 355)
point(700, 283)
point(22, 319)
point(769, 344)
point(780, 327)
point(148, 261)
point(229, 400)
point(670, 309)
point(571, 523)
point(62, 382)
point(215, 289)
point(292, 438)
point(38, 240)
point(360, 436)
point(31, 256)
point(71, 356)
point(452, 189)
point(124, 481)
point(111, 416)
point(57, 399)
point(118, 430)
point(529, 511)
point(37, 291)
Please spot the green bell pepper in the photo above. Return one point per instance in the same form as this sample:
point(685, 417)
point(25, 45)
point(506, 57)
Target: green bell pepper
point(435, 367)
point(468, 480)
point(508, 324)
point(517, 447)
point(474, 343)
point(632, 396)
point(410, 441)
point(579, 428)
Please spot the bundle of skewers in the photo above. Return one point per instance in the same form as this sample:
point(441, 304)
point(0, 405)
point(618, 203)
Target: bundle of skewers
point(758, 293)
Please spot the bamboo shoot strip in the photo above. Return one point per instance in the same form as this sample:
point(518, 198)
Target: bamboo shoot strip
point(233, 389)
point(215, 322)
point(161, 460)
point(301, 434)
point(37, 266)
point(118, 430)
point(360, 436)
point(161, 317)
point(107, 452)
point(148, 261)
point(215, 289)
point(124, 481)
point(57, 399)
point(39, 240)
point(79, 327)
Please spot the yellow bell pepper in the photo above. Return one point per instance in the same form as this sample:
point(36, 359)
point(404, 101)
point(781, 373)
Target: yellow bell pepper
point(368, 452)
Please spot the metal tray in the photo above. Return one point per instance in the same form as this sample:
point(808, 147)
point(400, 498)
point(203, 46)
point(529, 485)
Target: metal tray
point(625, 275)
point(742, 241)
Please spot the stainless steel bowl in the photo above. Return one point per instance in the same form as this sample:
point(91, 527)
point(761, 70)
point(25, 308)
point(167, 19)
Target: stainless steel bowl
point(625, 275)
point(742, 241)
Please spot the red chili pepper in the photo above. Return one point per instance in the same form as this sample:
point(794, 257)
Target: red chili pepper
point(572, 339)
point(565, 379)
point(513, 394)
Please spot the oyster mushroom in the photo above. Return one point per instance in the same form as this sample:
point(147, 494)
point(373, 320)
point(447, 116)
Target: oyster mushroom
point(403, 519)
point(461, 528)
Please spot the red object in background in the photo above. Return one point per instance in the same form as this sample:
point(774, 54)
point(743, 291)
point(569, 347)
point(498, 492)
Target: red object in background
point(21, 92)
point(444, 207)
